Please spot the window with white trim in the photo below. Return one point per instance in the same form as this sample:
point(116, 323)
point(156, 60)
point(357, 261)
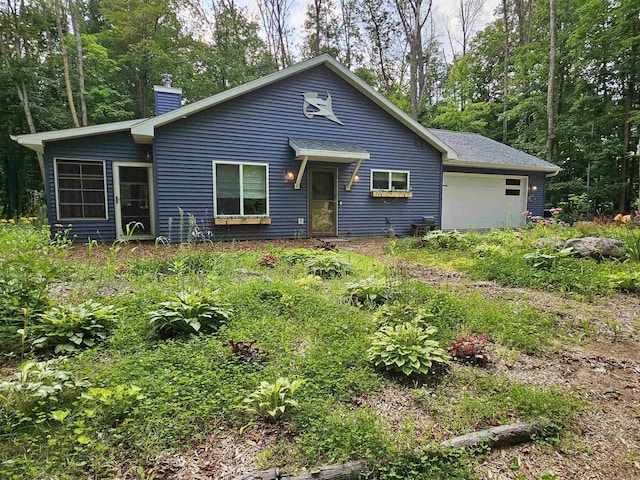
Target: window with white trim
point(241, 189)
point(389, 181)
point(81, 190)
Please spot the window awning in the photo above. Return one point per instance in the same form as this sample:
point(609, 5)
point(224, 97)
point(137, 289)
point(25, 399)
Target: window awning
point(327, 151)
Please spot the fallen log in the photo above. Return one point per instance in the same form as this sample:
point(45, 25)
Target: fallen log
point(340, 471)
point(496, 437)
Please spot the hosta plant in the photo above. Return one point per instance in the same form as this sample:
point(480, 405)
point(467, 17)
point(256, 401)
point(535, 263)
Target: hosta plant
point(547, 261)
point(35, 389)
point(406, 348)
point(69, 328)
point(271, 401)
point(372, 291)
point(328, 266)
point(189, 313)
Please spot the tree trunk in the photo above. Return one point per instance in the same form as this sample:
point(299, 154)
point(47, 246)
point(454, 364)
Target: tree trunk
point(505, 75)
point(344, 471)
point(73, 8)
point(553, 46)
point(316, 44)
point(24, 100)
point(65, 62)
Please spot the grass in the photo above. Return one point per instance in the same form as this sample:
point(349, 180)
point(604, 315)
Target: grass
point(310, 330)
point(499, 255)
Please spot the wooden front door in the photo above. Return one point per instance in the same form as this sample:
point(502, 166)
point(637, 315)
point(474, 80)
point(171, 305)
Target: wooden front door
point(133, 183)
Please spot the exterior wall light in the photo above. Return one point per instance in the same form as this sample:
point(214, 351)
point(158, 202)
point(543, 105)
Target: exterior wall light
point(356, 178)
point(532, 193)
point(289, 176)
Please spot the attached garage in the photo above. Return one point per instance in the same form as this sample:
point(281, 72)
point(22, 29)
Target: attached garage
point(487, 184)
point(471, 200)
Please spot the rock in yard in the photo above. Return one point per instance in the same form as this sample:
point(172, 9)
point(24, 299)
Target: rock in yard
point(596, 247)
point(549, 243)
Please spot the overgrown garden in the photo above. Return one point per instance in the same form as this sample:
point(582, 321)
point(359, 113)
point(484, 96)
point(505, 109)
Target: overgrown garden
point(110, 362)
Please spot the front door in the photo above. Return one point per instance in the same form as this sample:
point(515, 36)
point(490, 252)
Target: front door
point(134, 200)
point(323, 202)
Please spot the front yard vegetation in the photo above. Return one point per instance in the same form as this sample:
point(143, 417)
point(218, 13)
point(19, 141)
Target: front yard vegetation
point(112, 363)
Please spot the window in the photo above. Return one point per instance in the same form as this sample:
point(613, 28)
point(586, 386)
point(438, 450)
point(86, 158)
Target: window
point(81, 189)
point(387, 180)
point(241, 189)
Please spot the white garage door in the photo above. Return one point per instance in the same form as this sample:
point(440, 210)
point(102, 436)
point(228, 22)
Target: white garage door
point(472, 200)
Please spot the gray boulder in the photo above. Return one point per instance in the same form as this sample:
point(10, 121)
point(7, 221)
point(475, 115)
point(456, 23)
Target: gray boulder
point(596, 247)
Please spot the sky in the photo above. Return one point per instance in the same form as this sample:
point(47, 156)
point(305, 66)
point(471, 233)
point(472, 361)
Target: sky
point(444, 12)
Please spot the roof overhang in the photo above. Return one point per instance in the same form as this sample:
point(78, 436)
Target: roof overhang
point(333, 152)
point(550, 171)
point(36, 141)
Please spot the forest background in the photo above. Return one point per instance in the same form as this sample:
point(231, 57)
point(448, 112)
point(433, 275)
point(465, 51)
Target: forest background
point(555, 78)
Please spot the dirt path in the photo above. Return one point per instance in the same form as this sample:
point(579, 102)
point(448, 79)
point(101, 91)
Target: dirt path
point(604, 369)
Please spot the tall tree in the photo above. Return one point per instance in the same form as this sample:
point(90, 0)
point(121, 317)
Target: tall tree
point(61, 24)
point(414, 15)
point(468, 15)
point(274, 16)
point(74, 10)
point(553, 47)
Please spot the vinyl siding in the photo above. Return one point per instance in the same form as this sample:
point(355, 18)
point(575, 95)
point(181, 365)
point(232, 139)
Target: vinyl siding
point(534, 204)
point(257, 126)
point(115, 147)
point(165, 102)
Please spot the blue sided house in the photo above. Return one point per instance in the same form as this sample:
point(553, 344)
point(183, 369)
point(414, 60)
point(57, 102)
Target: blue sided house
point(309, 151)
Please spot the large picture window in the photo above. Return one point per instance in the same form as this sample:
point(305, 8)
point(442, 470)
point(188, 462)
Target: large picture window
point(81, 189)
point(389, 181)
point(241, 189)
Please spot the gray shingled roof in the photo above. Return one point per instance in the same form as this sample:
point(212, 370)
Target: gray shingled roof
point(474, 148)
point(326, 145)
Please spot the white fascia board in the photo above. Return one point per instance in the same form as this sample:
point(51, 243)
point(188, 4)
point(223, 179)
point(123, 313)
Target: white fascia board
point(36, 141)
point(501, 166)
point(162, 89)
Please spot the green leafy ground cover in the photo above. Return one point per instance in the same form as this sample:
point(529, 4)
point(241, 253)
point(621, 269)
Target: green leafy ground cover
point(127, 395)
point(533, 257)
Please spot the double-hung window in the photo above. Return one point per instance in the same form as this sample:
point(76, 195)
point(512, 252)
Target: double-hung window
point(241, 189)
point(389, 181)
point(80, 189)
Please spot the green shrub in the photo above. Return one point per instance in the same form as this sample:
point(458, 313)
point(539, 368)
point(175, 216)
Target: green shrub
point(35, 390)
point(70, 328)
point(28, 263)
point(487, 249)
point(189, 313)
point(443, 240)
point(627, 281)
point(271, 401)
point(406, 348)
point(372, 291)
point(328, 266)
point(631, 240)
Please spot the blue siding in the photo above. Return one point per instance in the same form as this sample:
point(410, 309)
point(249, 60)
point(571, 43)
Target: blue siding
point(535, 204)
point(115, 147)
point(257, 126)
point(165, 102)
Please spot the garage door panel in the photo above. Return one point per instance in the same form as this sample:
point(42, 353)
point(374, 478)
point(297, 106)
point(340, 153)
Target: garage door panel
point(481, 201)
